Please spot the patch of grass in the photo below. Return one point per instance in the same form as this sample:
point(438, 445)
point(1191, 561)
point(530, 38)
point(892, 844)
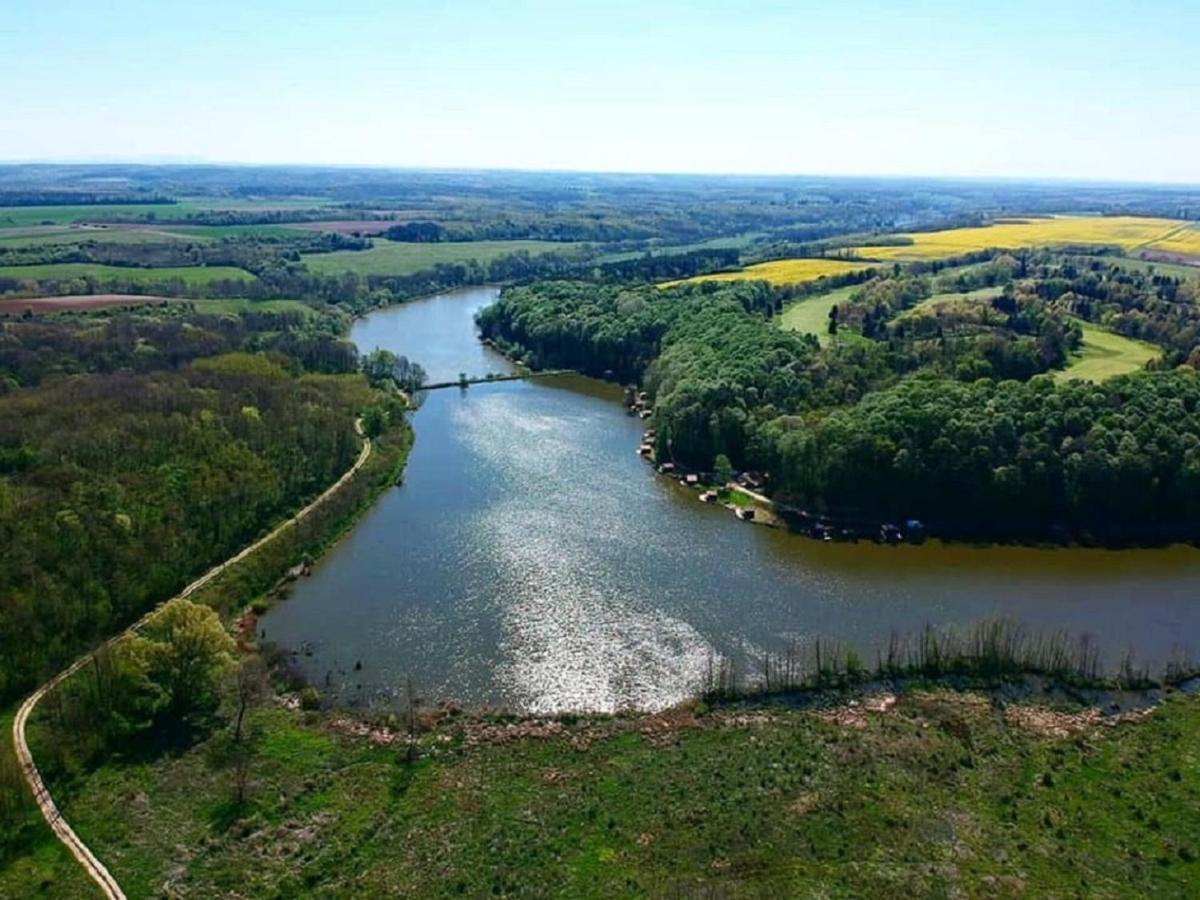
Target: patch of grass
point(1106, 355)
point(65, 271)
point(780, 271)
point(810, 315)
point(940, 796)
point(397, 258)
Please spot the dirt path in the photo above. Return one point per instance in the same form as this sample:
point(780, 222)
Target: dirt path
point(63, 831)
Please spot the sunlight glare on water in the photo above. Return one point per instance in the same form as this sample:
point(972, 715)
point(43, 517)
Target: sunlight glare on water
point(570, 640)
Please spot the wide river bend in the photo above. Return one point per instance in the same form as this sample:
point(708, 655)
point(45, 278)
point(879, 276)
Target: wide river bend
point(532, 560)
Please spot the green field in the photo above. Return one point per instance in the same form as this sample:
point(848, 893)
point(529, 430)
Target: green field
point(1106, 355)
point(946, 795)
point(810, 315)
point(1144, 265)
point(61, 271)
point(24, 216)
point(394, 258)
point(74, 235)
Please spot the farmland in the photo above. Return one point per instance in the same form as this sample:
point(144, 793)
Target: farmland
point(1129, 233)
point(191, 275)
point(395, 258)
point(781, 271)
point(1106, 355)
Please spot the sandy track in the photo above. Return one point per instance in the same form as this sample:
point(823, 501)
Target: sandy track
point(62, 830)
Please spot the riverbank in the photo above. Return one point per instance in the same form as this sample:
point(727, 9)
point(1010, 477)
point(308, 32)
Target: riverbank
point(925, 791)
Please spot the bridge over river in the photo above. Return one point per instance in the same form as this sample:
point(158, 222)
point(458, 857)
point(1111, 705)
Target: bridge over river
point(491, 379)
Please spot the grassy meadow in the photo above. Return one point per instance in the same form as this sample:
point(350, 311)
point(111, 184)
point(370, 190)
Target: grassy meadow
point(780, 271)
point(1106, 355)
point(1130, 233)
point(397, 258)
point(810, 315)
point(943, 794)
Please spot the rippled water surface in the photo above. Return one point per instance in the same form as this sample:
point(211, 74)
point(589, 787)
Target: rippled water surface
point(532, 560)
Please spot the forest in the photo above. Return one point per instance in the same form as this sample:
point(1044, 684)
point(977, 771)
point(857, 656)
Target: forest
point(139, 449)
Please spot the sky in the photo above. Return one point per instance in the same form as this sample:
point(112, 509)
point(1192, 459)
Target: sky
point(1056, 88)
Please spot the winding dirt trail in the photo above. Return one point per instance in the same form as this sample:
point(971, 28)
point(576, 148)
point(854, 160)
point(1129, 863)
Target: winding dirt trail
point(62, 830)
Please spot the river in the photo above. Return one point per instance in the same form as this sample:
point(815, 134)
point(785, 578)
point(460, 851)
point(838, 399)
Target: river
point(531, 560)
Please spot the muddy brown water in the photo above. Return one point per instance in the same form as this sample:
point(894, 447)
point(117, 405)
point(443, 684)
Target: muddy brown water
point(532, 560)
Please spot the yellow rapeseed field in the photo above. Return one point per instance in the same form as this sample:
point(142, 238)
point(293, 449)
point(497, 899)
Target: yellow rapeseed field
point(780, 271)
point(1130, 233)
point(1184, 240)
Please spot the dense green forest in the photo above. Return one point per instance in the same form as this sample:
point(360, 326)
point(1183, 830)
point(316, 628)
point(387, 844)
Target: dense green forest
point(943, 418)
point(137, 450)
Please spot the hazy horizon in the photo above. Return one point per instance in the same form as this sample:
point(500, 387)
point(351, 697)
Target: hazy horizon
point(1042, 92)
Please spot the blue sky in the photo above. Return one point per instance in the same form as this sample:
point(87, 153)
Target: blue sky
point(1099, 90)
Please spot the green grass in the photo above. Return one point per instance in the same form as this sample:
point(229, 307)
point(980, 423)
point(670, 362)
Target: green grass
point(810, 315)
point(938, 798)
point(189, 274)
point(33, 862)
point(24, 216)
point(1106, 355)
point(394, 258)
point(66, 235)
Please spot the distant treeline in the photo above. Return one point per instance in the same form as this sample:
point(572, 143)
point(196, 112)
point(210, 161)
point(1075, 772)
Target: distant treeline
point(541, 228)
point(77, 198)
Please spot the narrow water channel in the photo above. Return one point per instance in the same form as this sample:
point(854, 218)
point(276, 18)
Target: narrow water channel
point(531, 560)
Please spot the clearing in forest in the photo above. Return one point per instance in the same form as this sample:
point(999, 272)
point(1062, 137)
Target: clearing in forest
point(1131, 233)
point(1106, 355)
point(779, 271)
point(810, 315)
